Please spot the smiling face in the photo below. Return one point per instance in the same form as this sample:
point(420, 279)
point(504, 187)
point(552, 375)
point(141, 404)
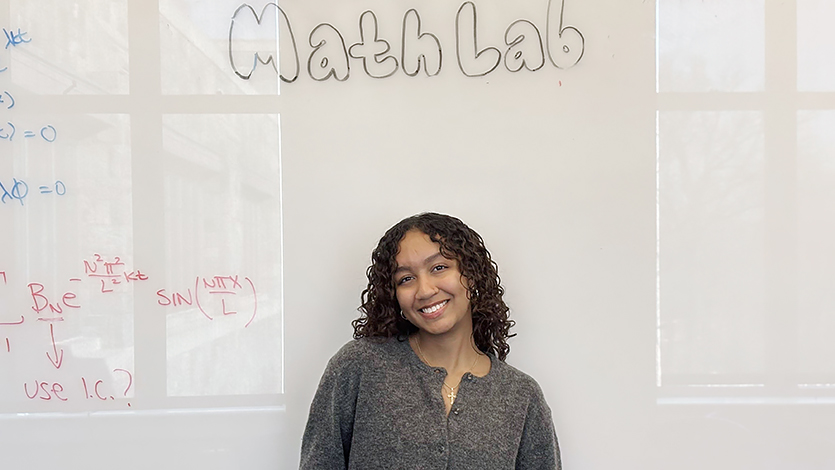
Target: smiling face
point(430, 288)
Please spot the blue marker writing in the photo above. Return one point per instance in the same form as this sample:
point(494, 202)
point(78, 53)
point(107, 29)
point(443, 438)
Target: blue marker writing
point(14, 39)
point(8, 100)
point(19, 191)
point(48, 133)
point(60, 188)
point(6, 134)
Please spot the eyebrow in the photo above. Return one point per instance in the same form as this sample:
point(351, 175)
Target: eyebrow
point(428, 260)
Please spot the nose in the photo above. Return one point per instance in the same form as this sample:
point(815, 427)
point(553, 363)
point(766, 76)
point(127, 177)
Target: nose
point(426, 288)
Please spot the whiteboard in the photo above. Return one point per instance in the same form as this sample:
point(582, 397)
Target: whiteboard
point(191, 192)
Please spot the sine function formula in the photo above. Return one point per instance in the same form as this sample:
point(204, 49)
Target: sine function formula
point(49, 326)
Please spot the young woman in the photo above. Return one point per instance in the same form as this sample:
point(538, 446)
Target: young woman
point(424, 384)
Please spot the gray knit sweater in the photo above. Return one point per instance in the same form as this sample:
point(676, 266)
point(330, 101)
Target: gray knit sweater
point(379, 406)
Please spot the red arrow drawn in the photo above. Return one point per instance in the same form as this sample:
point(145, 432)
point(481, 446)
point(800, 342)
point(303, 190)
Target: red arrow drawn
point(59, 356)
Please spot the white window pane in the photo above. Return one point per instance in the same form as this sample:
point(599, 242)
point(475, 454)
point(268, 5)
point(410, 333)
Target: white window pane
point(815, 249)
point(715, 45)
point(222, 294)
point(78, 47)
point(78, 205)
point(195, 47)
point(711, 179)
point(815, 45)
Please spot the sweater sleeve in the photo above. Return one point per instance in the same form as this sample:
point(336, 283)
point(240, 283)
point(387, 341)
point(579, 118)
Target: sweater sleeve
point(327, 437)
point(538, 448)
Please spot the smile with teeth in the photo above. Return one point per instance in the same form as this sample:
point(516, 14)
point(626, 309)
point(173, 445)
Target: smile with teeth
point(433, 308)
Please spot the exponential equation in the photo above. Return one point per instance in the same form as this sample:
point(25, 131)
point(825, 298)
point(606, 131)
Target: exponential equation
point(54, 307)
point(50, 307)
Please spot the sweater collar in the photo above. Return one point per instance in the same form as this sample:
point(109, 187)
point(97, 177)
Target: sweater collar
point(410, 357)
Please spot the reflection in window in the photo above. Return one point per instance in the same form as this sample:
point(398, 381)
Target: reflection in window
point(78, 47)
point(223, 249)
point(711, 196)
point(815, 45)
point(194, 48)
point(103, 178)
point(815, 247)
point(78, 204)
point(716, 45)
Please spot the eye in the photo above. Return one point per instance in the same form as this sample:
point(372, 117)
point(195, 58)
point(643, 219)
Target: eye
point(439, 267)
point(404, 280)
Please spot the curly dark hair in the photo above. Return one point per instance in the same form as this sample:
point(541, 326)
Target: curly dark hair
point(380, 311)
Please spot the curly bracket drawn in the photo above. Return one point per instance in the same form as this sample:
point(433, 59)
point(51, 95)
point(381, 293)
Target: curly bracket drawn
point(286, 36)
point(569, 40)
point(493, 56)
point(423, 39)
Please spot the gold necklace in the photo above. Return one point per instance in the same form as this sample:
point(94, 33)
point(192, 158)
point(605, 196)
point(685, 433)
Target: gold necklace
point(452, 395)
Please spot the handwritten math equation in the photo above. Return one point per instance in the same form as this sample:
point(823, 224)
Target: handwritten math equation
point(47, 133)
point(111, 273)
point(18, 190)
point(50, 308)
point(227, 296)
point(9, 130)
point(214, 296)
point(54, 307)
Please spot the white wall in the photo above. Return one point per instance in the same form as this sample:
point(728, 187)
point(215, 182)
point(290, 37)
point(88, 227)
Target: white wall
point(660, 213)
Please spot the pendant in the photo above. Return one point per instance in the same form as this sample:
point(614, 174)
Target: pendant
point(451, 396)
